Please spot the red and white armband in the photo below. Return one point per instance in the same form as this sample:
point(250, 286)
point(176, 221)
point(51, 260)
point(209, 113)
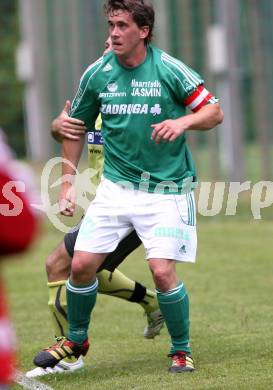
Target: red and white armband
point(199, 98)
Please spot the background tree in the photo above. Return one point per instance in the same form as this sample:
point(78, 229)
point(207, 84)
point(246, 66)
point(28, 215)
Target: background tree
point(11, 112)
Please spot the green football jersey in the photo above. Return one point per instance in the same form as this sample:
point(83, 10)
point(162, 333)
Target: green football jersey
point(130, 100)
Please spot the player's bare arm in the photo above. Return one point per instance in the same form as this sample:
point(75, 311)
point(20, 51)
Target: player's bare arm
point(206, 118)
point(71, 153)
point(66, 127)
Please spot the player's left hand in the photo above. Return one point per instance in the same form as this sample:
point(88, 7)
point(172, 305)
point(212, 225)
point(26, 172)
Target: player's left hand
point(167, 130)
point(67, 199)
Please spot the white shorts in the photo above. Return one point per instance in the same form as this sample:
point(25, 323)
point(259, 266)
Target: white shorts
point(166, 224)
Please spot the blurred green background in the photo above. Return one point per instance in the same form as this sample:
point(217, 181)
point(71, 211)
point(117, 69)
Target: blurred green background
point(47, 44)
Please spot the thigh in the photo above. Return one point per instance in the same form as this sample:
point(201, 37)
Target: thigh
point(166, 224)
point(106, 221)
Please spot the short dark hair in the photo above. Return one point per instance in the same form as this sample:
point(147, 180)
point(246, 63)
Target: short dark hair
point(142, 12)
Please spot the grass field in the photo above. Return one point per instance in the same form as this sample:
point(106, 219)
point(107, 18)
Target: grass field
point(231, 289)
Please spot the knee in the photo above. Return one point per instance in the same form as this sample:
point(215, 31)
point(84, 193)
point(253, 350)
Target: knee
point(84, 267)
point(78, 267)
point(164, 275)
point(82, 271)
point(161, 278)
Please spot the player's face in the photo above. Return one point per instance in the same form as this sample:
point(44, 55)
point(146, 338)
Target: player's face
point(127, 38)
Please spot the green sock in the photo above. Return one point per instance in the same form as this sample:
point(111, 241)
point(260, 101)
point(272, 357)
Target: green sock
point(80, 303)
point(174, 305)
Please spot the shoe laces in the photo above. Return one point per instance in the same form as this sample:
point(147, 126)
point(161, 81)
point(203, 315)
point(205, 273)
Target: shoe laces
point(178, 358)
point(59, 343)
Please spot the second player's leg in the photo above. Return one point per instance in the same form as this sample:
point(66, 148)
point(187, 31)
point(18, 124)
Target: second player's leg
point(58, 264)
point(115, 283)
point(58, 267)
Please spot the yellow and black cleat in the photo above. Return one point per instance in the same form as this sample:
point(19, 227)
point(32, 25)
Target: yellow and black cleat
point(64, 348)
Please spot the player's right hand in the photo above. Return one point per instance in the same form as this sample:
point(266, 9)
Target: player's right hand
point(66, 127)
point(67, 199)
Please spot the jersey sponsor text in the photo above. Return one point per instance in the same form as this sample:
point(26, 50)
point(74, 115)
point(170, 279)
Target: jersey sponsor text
point(112, 94)
point(124, 109)
point(147, 92)
point(145, 84)
point(146, 88)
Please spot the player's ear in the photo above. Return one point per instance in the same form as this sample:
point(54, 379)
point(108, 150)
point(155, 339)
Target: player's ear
point(144, 32)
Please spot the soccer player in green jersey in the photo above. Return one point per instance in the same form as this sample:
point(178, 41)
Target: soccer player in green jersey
point(142, 94)
point(112, 282)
